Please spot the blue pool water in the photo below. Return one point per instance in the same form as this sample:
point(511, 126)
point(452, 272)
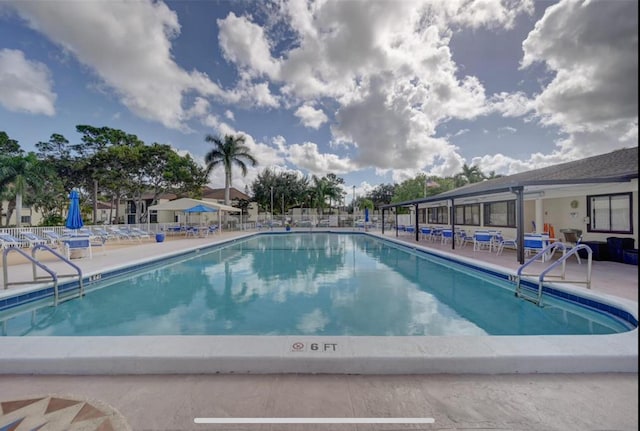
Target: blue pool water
point(313, 284)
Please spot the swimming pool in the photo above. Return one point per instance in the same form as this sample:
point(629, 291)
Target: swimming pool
point(331, 351)
point(324, 284)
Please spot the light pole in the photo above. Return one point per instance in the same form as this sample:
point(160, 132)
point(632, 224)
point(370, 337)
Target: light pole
point(271, 208)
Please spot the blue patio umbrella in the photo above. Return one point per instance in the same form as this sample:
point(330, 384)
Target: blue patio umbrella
point(366, 215)
point(74, 218)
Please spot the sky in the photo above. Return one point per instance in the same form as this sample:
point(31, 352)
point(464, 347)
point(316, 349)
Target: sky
point(374, 91)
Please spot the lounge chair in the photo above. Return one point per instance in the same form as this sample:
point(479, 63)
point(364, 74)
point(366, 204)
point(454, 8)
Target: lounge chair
point(103, 233)
point(120, 233)
point(53, 236)
point(139, 233)
point(7, 240)
point(33, 239)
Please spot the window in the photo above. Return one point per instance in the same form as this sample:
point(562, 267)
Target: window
point(438, 215)
point(610, 213)
point(500, 214)
point(468, 214)
point(26, 219)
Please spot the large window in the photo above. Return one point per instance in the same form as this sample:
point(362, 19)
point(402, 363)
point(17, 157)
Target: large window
point(500, 214)
point(610, 213)
point(468, 214)
point(438, 215)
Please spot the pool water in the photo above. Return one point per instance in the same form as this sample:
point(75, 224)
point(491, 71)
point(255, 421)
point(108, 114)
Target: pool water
point(311, 284)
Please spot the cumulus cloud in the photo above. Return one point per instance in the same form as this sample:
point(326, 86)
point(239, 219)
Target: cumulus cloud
point(512, 104)
point(592, 47)
point(128, 45)
point(310, 116)
point(307, 156)
point(245, 44)
point(25, 85)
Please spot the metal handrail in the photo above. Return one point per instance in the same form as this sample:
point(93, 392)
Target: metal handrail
point(5, 273)
point(35, 263)
point(63, 259)
point(562, 260)
point(548, 249)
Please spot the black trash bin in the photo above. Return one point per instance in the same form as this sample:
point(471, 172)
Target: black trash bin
point(631, 256)
point(617, 246)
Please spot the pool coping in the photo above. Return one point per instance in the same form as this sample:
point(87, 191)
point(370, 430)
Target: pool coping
point(327, 354)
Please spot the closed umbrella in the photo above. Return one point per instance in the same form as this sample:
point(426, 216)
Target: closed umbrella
point(366, 218)
point(74, 218)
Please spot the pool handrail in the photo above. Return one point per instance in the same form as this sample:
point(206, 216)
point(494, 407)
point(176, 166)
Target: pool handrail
point(5, 273)
point(63, 259)
point(550, 249)
point(562, 260)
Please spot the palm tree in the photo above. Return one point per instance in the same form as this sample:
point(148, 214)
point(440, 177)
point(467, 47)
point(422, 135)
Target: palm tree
point(24, 173)
point(232, 150)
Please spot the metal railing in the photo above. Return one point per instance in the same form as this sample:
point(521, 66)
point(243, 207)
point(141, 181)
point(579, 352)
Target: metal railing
point(550, 249)
point(35, 263)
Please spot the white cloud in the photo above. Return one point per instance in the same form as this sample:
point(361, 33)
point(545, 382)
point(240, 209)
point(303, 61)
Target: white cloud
point(308, 157)
point(462, 132)
point(506, 129)
point(128, 45)
point(512, 104)
point(311, 117)
point(592, 47)
point(229, 115)
point(245, 44)
point(25, 86)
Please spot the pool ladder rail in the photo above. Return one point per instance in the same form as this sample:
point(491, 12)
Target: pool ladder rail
point(35, 263)
point(549, 251)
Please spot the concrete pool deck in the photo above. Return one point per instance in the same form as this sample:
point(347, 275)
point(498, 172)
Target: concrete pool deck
point(532, 401)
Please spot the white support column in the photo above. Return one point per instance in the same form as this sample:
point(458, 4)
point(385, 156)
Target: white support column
point(539, 216)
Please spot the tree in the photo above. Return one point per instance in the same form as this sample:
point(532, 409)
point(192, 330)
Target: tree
point(227, 152)
point(289, 189)
point(382, 194)
point(469, 174)
point(24, 173)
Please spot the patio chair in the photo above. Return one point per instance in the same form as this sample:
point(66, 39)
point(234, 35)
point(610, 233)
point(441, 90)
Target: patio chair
point(425, 233)
point(463, 238)
point(504, 242)
point(7, 240)
point(569, 245)
point(482, 240)
point(33, 239)
point(447, 236)
point(535, 244)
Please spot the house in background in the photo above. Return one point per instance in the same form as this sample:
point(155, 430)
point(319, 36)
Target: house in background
point(235, 195)
point(597, 195)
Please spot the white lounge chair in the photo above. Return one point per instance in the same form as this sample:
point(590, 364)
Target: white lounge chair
point(8, 240)
point(33, 239)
